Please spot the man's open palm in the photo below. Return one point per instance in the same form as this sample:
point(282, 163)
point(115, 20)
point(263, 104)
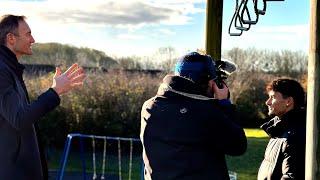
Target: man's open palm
point(70, 79)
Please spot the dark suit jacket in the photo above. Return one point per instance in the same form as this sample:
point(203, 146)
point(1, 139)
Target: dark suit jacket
point(19, 152)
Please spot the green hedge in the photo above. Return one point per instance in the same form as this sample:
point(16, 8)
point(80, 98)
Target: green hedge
point(107, 104)
point(110, 103)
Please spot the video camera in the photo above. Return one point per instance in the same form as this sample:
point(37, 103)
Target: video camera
point(220, 70)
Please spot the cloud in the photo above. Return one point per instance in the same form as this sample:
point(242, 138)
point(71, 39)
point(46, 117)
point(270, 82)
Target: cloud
point(167, 32)
point(116, 13)
point(103, 24)
point(130, 37)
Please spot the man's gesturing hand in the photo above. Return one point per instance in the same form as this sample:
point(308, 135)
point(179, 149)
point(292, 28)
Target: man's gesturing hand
point(72, 78)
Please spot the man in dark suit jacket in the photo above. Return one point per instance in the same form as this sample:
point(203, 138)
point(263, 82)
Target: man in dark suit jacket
point(20, 155)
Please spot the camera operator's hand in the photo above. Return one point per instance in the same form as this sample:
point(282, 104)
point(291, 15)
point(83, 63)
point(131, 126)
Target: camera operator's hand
point(219, 93)
point(71, 79)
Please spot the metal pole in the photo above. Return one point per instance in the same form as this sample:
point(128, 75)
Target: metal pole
point(64, 158)
point(313, 108)
point(214, 28)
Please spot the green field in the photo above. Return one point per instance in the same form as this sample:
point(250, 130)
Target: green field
point(246, 166)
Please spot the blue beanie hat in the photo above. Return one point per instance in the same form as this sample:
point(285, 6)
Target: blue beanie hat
point(199, 68)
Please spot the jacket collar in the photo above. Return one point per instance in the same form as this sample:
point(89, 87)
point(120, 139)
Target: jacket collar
point(292, 119)
point(181, 86)
point(11, 61)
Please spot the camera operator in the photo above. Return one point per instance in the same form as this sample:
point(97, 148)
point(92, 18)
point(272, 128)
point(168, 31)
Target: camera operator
point(187, 128)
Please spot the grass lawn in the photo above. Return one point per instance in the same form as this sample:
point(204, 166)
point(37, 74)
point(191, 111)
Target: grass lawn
point(246, 166)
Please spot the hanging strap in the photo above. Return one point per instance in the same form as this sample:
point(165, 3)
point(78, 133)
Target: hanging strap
point(239, 20)
point(245, 10)
point(234, 19)
point(260, 11)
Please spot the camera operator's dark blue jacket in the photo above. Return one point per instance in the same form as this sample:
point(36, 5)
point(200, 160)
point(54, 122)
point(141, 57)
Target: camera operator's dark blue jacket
point(186, 135)
point(20, 157)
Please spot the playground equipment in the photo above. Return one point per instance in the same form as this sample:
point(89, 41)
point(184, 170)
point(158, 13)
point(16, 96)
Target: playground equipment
point(94, 138)
point(95, 175)
point(242, 17)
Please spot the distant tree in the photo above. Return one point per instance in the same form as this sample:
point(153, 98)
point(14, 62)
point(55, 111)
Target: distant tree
point(286, 62)
point(149, 63)
point(166, 57)
point(129, 63)
point(60, 54)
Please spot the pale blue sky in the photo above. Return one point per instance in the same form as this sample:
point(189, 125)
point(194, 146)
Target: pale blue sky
point(140, 27)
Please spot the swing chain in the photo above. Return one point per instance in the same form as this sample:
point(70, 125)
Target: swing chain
point(130, 158)
point(119, 158)
point(104, 158)
point(94, 159)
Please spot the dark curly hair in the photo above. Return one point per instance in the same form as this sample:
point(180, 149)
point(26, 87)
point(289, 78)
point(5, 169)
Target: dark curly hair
point(289, 88)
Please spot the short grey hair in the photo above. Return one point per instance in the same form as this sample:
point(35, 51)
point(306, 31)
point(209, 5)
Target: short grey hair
point(9, 24)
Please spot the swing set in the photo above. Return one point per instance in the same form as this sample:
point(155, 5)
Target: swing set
point(94, 138)
point(102, 176)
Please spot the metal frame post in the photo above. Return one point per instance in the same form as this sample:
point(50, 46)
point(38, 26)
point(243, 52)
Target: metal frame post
point(64, 159)
point(313, 108)
point(214, 28)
